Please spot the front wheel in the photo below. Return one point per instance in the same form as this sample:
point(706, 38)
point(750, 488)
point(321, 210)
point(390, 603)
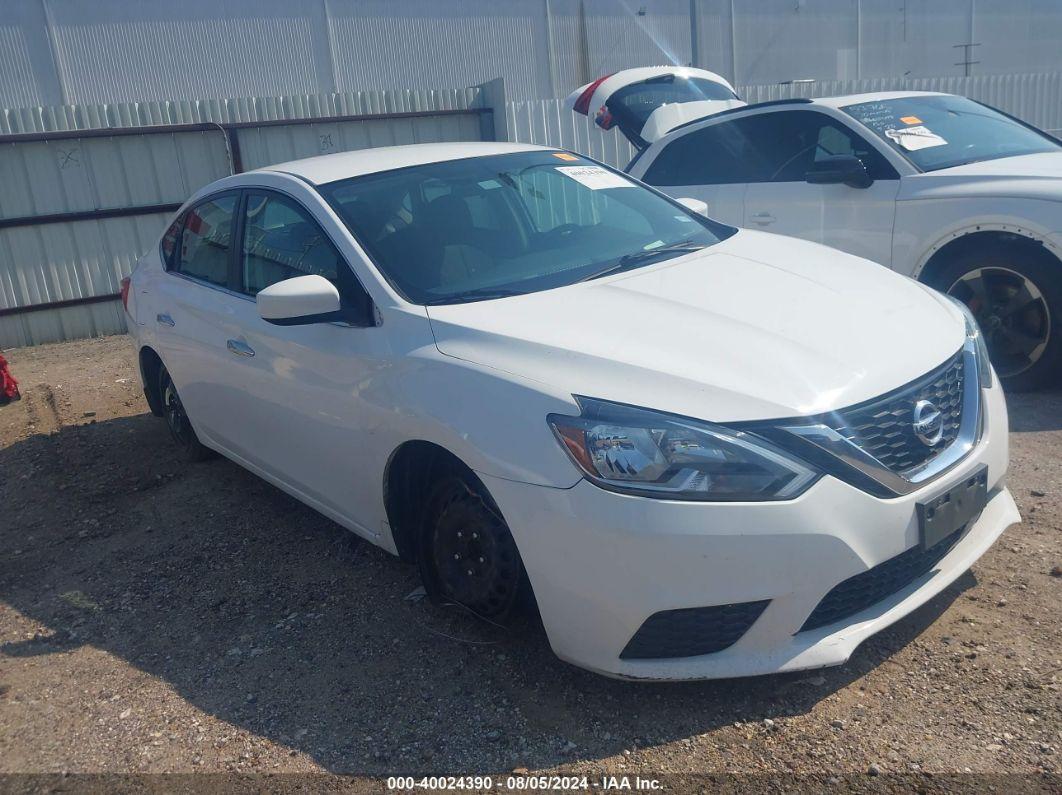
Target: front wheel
point(467, 554)
point(177, 420)
point(1016, 296)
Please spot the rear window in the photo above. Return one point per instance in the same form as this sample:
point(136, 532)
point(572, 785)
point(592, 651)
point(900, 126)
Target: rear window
point(632, 105)
point(206, 240)
point(169, 242)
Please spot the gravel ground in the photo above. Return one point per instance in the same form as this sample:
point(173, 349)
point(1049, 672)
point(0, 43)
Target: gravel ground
point(163, 617)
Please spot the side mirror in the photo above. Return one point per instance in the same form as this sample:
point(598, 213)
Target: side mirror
point(699, 207)
point(300, 301)
point(839, 170)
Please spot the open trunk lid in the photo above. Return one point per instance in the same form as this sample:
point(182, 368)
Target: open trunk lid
point(647, 103)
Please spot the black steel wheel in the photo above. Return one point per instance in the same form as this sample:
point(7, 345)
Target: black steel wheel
point(468, 556)
point(177, 420)
point(1015, 293)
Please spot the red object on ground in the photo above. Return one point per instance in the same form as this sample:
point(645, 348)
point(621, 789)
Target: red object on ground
point(8, 384)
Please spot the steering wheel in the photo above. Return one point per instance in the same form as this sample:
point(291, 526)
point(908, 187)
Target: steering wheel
point(816, 147)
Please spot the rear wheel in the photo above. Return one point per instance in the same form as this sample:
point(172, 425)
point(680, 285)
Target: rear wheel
point(1016, 295)
point(467, 555)
point(177, 420)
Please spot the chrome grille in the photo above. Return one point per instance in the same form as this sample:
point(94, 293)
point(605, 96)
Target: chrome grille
point(884, 427)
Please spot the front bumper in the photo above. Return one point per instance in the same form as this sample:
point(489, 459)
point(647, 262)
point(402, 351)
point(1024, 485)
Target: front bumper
point(601, 563)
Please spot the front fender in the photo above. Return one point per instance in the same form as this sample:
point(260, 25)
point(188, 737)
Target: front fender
point(494, 421)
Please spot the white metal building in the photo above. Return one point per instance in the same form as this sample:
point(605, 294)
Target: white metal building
point(60, 52)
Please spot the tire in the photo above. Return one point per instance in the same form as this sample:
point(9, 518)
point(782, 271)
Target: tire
point(467, 556)
point(1015, 292)
point(192, 450)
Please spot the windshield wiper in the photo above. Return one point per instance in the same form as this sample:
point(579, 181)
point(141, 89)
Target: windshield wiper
point(637, 256)
point(484, 294)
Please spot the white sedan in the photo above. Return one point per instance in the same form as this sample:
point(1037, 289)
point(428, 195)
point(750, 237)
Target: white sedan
point(934, 186)
point(696, 451)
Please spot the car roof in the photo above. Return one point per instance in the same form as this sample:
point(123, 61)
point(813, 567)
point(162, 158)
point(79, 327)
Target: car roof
point(829, 102)
point(341, 165)
point(873, 96)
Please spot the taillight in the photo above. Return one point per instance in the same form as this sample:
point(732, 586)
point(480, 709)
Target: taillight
point(125, 293)
point(582, 105)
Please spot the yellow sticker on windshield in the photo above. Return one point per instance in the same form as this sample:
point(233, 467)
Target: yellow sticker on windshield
point(910, 120)
point(564, 156)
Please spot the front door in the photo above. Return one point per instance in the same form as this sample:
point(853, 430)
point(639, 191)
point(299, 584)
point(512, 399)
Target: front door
point(779, 199)
point(712, 163)
point(307, 416)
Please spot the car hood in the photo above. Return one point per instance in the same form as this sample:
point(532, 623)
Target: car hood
point(1036, 176)
point(756, 327)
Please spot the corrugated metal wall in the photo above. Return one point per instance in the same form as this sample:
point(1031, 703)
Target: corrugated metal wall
point(69, 260)
point(45, 261)
point(236, 110)
point(261, 146)
point(549, 123)
point(65, 176)
point(1036, 98)
point(56, 52)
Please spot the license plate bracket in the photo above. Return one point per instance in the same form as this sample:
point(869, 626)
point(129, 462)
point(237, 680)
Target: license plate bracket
point(941, 516)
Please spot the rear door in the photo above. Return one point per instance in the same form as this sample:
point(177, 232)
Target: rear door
point(196, 313)
point(785, 144)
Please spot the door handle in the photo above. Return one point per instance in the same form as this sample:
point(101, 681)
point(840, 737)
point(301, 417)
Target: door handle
point(165, 320)
point(763, 219)
point(239, 348)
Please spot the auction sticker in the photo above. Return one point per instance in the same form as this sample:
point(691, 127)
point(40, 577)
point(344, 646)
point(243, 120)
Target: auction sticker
point(595, 177)
point(914, 138)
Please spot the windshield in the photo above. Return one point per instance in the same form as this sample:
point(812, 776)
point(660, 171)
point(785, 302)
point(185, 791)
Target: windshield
point(936, 132)
point(486, 227)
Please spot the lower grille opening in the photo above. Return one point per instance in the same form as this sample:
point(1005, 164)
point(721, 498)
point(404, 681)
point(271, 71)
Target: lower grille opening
point(867, 589)
point(692, 631)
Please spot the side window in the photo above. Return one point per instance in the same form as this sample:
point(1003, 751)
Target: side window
point(169, 243)
point(281, 240)
point(788, 143)
point(717, 155)
point(206, 240)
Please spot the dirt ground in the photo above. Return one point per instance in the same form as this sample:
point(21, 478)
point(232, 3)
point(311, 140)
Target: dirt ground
point(163, 617)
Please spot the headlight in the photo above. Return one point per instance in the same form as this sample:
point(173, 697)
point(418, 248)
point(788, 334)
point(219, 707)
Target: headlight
point(973, 334)
point(644, 452)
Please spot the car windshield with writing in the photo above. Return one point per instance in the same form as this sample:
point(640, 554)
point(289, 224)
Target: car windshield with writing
point(937, 131)
point(489, 227)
